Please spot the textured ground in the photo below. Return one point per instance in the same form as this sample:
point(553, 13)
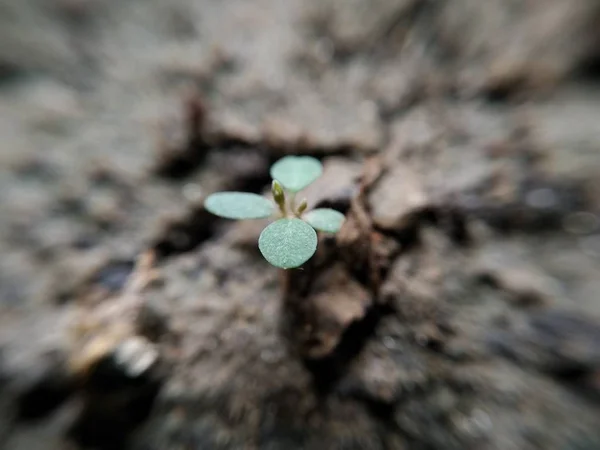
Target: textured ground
point(457, 309)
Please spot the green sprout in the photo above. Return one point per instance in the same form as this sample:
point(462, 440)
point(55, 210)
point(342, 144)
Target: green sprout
point(291, 240)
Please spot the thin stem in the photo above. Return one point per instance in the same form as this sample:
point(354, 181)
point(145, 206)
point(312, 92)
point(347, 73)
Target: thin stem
point(293, 203)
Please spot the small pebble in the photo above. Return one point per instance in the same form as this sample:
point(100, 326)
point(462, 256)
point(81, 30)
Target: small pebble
point(481, 420)
point(541, 198)
point(390, 343)
point(114, 276)
point(193, 192)
point(136, 355)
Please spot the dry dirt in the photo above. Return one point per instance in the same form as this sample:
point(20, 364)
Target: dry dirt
point(458, 307)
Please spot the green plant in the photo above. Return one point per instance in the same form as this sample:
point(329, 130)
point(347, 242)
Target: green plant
point(291, 240)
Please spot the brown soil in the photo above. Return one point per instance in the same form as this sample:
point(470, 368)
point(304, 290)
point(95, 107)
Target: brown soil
point(456, 309)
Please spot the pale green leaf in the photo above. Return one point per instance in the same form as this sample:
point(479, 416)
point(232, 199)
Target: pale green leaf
point(296, 172)
point(288, 243)
point(325, 219)
point(238, 205)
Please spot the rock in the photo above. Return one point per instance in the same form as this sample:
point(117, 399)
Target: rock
point(396, 197)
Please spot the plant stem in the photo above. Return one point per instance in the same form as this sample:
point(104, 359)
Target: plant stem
point(292, 203)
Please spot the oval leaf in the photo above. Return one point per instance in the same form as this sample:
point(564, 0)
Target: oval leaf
point(296, 172)
point(325, 219)
point(238, 205)
point(288, 243)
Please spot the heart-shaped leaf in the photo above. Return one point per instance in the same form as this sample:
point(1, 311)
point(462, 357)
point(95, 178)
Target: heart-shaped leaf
point(239, 205)
point(325, 219)
point(296, 172)
point(288, 243)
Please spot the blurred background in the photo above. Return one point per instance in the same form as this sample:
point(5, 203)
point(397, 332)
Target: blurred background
point(459, 308)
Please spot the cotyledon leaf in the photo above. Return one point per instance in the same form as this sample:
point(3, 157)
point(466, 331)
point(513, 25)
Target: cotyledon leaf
point(288, 243)
point(296, 172)
point(239, 205)
point(325, 219)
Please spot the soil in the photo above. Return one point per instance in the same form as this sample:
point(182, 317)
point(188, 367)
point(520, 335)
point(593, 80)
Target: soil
point(456, 309)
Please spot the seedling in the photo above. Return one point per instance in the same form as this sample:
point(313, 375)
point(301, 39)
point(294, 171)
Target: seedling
point(291, 239)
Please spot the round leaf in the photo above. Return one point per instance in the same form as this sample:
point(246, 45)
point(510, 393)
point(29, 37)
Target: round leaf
point(325, 219)
point(296, 172)
point(238, 205)
point(288, 243)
